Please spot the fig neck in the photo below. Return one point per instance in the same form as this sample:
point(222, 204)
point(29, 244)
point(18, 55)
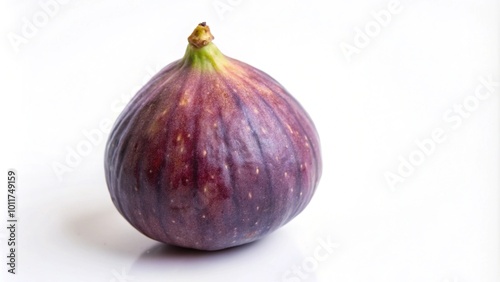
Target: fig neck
point(206, 58)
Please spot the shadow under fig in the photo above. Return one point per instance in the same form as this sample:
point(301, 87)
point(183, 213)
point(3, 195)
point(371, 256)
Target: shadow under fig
point(166, 252)
point(264, 260)
point(104, 229)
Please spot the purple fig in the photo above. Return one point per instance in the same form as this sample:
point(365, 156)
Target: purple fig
point(211, 153)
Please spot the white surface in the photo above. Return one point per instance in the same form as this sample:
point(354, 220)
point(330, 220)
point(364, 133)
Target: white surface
point(440, 225)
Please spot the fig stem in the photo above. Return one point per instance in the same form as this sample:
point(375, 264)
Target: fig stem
point(201, 52)
point(201, 36)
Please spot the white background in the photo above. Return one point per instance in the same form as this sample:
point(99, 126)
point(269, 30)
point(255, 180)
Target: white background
point(441, 224)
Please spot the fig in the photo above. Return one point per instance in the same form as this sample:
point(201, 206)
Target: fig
point(211, 153)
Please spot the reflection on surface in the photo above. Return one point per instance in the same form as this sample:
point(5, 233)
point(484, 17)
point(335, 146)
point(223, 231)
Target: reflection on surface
point(265, 260)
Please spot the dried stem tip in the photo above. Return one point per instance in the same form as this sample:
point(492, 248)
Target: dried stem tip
point(201, 36)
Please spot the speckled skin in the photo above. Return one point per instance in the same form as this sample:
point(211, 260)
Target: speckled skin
point(210, 158)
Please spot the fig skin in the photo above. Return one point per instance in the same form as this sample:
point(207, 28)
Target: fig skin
point(211, 153)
